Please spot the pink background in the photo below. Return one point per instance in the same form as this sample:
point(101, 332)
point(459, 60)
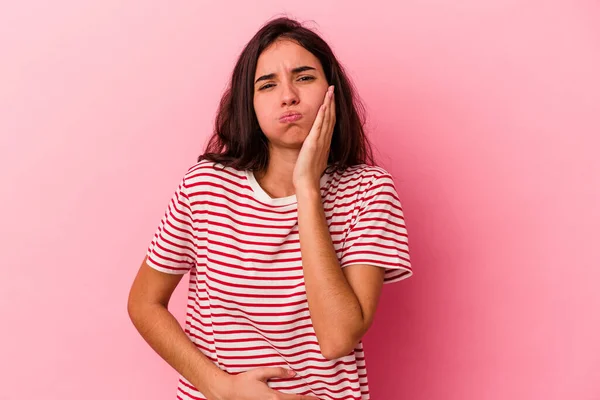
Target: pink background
point(486, 113)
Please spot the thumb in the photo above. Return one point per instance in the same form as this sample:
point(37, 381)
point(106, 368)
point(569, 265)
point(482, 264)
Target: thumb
point(266, 373)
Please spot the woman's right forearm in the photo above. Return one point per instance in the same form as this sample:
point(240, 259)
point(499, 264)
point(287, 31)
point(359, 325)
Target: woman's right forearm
point(164, 334)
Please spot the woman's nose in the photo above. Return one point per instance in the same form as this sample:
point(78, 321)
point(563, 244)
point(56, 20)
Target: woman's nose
point(289, 95)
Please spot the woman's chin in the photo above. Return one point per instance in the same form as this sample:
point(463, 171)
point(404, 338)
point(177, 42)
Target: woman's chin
point(291, 137)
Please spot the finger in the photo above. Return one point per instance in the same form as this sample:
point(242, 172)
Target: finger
point(331, 108)
point(266, 373)
point(326, 117)
point(297, 397)
point(329, 124)
point(317, 125)
point(326, 103)
point(333, 113)
point(332, 118)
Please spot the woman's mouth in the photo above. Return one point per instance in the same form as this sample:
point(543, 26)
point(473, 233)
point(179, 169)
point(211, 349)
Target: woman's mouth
point(290, 117)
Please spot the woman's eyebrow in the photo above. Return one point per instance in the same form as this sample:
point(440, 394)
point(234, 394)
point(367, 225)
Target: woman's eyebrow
point(294, 71)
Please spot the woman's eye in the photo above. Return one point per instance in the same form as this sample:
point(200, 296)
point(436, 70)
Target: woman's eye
point(268, 85)
point(302, 78)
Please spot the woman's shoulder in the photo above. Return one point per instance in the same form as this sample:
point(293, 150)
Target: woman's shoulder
point(207, 171)
point(364, 173)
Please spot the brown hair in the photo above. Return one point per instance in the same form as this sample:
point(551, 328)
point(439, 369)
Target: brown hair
point(239, 142)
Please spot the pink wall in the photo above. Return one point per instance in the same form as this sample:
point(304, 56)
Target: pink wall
point(486, 112)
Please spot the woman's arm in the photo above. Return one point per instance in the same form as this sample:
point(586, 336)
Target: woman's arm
point(147, 307)
point(342, 302)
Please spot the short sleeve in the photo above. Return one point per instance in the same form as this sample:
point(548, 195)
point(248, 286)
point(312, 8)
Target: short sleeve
point(172, 249)
point(378, 234)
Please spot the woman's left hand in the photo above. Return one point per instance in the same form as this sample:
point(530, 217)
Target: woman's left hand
point(314, 153)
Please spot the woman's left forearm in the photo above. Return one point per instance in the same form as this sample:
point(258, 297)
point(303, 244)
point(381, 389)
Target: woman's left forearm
point(334, 308)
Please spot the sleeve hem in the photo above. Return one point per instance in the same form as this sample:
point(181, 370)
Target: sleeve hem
point(392, 273)
point(170, 271)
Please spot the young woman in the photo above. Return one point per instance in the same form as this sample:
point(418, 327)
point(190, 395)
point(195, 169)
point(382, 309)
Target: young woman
point(287, 229)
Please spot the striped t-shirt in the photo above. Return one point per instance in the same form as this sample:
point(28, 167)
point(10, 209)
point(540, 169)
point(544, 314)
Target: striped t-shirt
point(247, 305)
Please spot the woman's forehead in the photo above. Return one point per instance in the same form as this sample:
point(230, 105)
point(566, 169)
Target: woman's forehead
point(286, 55)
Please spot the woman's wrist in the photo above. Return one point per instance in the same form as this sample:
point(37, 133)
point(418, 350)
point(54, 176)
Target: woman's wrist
point(220, 386)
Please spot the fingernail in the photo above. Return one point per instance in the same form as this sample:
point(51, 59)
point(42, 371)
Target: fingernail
point(291, 373)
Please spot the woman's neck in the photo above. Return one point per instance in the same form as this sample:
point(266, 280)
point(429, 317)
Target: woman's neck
point(276, 179)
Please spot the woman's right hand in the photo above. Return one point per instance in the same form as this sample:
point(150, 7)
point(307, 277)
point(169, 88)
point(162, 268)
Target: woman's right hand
point(252, 385)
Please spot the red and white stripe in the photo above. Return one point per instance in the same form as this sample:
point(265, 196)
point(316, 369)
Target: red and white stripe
point(247, 304)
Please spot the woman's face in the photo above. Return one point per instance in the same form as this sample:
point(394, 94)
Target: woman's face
point(288, 78)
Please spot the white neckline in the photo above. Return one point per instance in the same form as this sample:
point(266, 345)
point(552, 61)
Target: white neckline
point(264, 197)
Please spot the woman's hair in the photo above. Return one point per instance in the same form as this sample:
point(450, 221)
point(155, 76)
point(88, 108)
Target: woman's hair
point(238, 140)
